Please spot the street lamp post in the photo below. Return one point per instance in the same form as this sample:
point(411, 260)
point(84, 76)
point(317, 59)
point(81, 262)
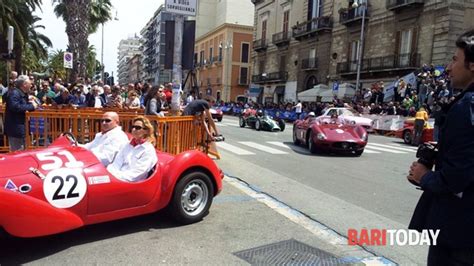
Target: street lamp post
point(361, 42)
point(228, 65)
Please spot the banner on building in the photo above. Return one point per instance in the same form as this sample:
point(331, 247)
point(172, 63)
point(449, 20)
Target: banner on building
point(181, 7)
point(390, 88)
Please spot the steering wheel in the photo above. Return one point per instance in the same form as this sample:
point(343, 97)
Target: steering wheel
point(71, 137)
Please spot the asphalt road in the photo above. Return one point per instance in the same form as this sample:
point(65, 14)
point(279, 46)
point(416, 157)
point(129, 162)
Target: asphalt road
point(339, 191)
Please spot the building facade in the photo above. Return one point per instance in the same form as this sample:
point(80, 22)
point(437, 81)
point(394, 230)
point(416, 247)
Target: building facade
point(299, 44)
point(127, 49)
point(135, 68)
point(214, 13)
point(222, 60)
point(153, 48)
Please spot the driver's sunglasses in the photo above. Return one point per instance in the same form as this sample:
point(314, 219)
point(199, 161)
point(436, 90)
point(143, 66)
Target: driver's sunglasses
point(137, 127)
point(106, 120)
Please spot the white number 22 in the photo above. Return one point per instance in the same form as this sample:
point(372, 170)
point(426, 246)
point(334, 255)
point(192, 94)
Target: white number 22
point(57, 162)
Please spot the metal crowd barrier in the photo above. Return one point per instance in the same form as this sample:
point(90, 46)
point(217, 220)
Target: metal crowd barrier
point(174, 134)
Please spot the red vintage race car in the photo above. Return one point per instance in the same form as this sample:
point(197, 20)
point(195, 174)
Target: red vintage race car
point(325, 135)
point(63, 187)
point(217, 113)
point(407, 133)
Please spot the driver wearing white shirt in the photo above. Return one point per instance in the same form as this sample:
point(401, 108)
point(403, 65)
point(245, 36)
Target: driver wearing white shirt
point(109, 141)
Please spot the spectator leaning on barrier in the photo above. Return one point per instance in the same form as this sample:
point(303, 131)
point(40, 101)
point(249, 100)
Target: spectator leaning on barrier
point(17, 103)
point(201, 109)
point(447, 202)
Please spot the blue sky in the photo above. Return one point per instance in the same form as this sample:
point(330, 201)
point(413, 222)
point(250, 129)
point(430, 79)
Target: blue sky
point(132, 16)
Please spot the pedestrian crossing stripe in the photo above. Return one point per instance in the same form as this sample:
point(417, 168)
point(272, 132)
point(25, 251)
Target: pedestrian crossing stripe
point(233, 149)
point(371, 148)
point(393, 147)
point(262, 147)
point(369, 151)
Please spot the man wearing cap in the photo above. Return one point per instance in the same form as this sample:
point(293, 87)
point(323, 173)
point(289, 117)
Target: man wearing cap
point(109, 141)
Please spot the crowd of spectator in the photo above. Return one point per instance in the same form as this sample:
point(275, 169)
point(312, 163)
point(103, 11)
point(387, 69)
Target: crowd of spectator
point(432, 91)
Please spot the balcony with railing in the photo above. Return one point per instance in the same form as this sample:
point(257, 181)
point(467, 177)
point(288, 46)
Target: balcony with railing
point(353, 15)
point(242, 81)
point(395, 5)
point(281, 38)
point(380, 64)
point(309, 63)
point(310, 27)
point(260, 45)
point(280, 76)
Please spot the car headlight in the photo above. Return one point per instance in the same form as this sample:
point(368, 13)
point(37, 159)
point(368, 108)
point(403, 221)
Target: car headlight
point(365, 137)
point(353, 122)
point(321, 136)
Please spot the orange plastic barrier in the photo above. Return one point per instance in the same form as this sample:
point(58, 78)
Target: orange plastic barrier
point(174, 134)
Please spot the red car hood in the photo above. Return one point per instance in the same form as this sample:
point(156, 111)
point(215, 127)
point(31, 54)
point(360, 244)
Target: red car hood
point(341, 132)
point(14, 164)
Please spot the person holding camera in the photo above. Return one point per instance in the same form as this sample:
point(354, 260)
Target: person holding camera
point(447, 202)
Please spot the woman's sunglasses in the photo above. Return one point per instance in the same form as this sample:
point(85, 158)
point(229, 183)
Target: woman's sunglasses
point(137, 127)
point(106, 120)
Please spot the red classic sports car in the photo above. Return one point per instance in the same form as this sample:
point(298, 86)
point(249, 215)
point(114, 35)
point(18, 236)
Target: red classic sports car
point(330, 135)
point(408, 132)
point(63, 187)
point(216, 113)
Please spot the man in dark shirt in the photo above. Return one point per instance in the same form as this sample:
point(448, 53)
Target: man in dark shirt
point(18, 102)
point(201, 109)
point(447, 202)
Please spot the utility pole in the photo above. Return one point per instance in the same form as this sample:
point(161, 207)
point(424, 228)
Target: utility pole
point(177, 66)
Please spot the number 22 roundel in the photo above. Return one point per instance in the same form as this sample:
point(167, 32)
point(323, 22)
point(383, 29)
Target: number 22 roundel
point(64, 187)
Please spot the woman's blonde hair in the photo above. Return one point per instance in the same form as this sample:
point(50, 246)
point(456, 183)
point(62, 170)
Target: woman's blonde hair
point(150, 136)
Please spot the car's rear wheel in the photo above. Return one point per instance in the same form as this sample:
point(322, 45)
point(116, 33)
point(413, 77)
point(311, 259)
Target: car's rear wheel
point(407, 137)
point(241, 122)
point(296, 141)
point(311, 145)
point(258, 124)
point(281, 124)
point(192, 198)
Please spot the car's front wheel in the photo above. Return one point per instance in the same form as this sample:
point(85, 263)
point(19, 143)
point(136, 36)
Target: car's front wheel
point(407, 137)
point(296, 141)
point(219, 119)
point(192, 198)
point(311, 145)
point(258, 124)
point(359, 152)
point(241, 122)
point(281, 124)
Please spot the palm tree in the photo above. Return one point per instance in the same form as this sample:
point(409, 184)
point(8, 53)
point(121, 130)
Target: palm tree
point(76, 16)
point(18, 14)
point(82, 18)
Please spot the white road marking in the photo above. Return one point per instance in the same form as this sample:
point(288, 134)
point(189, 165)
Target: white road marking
point(279, 144)
point(221, 125)
point(233, 149)
point(393, 147)
point(369, 151)
point(384, 149)
point(262, 147)
point(405, 146)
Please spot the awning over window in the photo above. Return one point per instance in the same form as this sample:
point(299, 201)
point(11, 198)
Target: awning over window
point(255, 91)
point(280, 90)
